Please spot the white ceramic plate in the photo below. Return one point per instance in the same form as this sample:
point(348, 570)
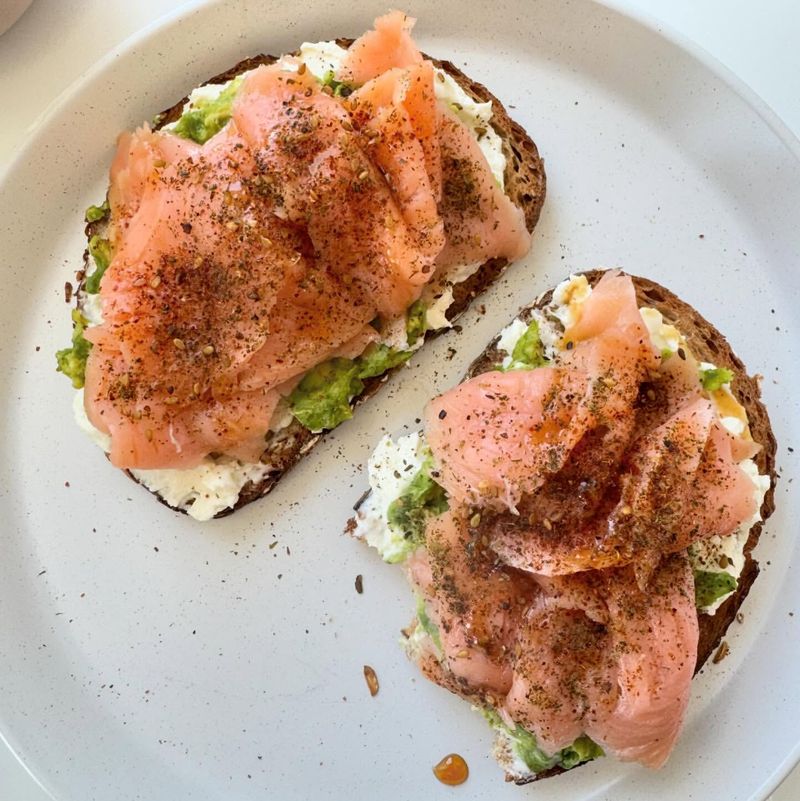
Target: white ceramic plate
point(145, 656)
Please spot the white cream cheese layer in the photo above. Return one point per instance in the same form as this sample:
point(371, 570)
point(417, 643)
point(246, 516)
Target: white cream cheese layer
point(203, 491)
point(392, 466)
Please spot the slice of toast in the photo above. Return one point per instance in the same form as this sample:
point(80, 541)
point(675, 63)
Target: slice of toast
point(707, 344)
point(525, 184)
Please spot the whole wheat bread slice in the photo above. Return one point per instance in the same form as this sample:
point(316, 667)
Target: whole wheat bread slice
point(525, 184)
point(707, 344)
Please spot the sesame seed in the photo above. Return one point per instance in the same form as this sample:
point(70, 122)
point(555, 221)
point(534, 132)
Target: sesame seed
point(232, 225)
point(301, 70)
point(155, 281)
point(198, 261)
point(547, 524)
point(148, 434)
point(196, 389)
point(626, 510)
point(363, 175)
point(171, 400)
point(179, 343)
point(208, 350)
point(475, 520)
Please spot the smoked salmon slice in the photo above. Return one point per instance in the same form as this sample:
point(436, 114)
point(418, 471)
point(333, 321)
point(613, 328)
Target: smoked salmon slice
point(389, 45)
point(600, 656)
point(590, 653)
point(287, 238)
point(475, 606)
point(575, 477)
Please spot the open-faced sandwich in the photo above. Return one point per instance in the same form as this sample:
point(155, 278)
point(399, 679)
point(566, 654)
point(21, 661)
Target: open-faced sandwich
point(274, 244)
point(577, 521)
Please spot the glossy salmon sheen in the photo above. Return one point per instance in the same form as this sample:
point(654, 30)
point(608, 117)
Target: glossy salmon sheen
point(243, 262)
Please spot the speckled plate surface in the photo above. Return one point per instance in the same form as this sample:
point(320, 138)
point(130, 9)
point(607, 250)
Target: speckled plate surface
point(145, 656)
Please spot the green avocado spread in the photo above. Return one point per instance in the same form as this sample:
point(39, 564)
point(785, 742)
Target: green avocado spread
point(100, 251)
point(339, 88)
point(208, 117)
point(529, 350)
point(322, 399)
point(527, 749)
point(422, 498)
point(710, 586)
point(416, 321)
point(713, 378)
point(95, 213)
point(426, 624)
point(72, 361)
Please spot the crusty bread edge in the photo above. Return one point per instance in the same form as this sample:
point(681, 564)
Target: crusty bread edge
point(525, 182)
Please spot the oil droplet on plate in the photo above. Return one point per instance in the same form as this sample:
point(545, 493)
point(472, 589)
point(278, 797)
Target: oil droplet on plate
point(451, 770)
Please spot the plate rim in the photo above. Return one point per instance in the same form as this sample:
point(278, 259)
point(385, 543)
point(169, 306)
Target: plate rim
point(648, 21)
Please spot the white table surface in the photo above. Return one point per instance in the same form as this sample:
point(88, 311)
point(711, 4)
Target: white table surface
point(56, 41)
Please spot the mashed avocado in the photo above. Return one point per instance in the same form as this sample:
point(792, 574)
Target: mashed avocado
point(322, 399)
point(208, 117)
point(100, 250)
point(72, 361)
point(426, 624)
point(95, 213)
point(416, 321)
point(713, 378)
point(422, 498)
point(524, 746)
point(528, 351)
point(710, 586)
point(339, 88)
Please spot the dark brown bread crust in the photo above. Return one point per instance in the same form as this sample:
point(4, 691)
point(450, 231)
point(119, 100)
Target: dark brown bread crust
point(525, 184)
point(707, 344)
